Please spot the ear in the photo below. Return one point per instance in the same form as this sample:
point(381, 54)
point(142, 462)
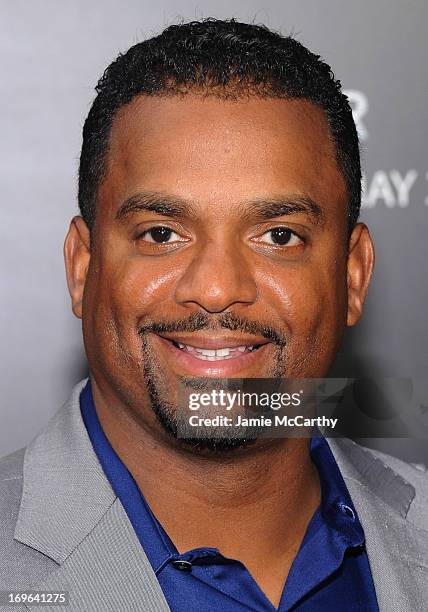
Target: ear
point(77, 253)
point(360, 269)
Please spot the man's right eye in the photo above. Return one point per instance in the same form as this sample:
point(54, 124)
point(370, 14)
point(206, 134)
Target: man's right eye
point(159, 235)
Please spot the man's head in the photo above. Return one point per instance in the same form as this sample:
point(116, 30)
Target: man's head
point(219, 188)
point(227, 60)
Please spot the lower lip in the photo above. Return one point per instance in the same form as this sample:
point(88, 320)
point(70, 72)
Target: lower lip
point(222, 368)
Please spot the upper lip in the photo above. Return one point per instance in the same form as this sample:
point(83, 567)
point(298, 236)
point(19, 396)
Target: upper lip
point(215, 342)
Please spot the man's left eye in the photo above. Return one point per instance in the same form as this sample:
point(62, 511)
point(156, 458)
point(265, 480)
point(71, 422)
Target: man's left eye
point(281, 236)
point(159, 235)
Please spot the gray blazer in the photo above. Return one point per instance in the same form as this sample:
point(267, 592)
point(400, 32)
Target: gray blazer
point(62, 528)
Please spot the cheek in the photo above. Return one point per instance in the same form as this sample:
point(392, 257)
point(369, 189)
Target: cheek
point(125, 290)
point(143, 290)
point(312, 308)
point(308, 299)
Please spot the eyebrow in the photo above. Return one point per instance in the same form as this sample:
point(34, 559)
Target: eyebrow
point(159, 203)
point(172, 206)
point(283, 206)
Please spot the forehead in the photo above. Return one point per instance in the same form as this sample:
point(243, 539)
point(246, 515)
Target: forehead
point(209, 150)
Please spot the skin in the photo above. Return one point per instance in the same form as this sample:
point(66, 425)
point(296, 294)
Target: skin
point(217, 156)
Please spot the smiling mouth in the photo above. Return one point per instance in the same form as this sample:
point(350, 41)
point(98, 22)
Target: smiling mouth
point(218, 354)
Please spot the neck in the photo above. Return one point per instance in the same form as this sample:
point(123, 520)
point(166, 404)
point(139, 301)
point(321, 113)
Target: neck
point(252, 503)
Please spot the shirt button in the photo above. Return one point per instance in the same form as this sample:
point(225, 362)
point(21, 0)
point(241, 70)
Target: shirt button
point(348, 511)
point(181, 564)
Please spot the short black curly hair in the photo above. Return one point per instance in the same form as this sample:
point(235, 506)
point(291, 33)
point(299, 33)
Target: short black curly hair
point(228, 59)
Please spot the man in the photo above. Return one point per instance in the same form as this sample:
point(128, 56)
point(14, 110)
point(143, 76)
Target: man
point(219, 190)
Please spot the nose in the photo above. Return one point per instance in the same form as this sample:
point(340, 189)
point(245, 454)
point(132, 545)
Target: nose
point(217, 277)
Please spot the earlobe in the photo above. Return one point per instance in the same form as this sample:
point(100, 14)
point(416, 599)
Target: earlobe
point(77, 253)
point(360, 269)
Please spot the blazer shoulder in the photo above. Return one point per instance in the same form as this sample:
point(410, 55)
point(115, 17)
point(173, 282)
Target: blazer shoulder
point(21, 564)
point(11, 465)
point(11, 480)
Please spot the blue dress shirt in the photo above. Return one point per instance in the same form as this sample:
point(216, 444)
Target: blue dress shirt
point(330, 572)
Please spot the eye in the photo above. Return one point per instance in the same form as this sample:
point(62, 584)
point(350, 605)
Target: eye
point(281, 236)
point(159, 235)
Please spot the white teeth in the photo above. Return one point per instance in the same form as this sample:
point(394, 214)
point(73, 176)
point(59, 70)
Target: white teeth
point(207, 352)
point(214, 354)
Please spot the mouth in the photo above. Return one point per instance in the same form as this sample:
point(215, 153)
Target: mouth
point(219, 354)
point(219, 357)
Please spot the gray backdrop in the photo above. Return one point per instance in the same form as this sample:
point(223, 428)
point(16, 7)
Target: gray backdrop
point(52, 53)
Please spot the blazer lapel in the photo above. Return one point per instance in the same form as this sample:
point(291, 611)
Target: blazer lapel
point(70, 513)
point(397, 549)
point(108, 571)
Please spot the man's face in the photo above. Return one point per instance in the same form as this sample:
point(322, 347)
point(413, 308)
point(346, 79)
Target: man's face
point(219, 225)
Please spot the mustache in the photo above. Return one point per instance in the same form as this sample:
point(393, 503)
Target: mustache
point(201, 321)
